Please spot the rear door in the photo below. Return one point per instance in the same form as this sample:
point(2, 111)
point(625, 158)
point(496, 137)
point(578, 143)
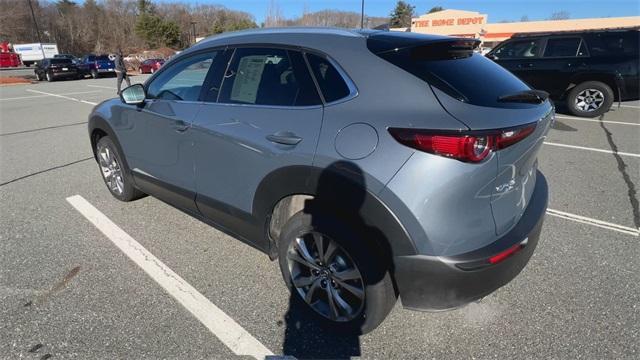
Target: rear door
point(266, 115)
point(562, 58)
point(520, 57)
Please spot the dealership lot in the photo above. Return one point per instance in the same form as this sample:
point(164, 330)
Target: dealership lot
point(68, 290)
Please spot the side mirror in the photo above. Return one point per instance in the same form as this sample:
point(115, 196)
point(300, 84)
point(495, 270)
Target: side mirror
point(133, 95)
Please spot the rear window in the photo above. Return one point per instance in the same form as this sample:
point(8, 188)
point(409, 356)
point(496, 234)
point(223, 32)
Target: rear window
point(60, 61)
point(103, 57)
point(468, 77)
point(614, 43)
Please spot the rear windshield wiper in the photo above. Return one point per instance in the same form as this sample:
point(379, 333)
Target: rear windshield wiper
point(527, 96)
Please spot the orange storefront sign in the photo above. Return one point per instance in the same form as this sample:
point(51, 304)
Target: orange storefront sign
point(450, 22)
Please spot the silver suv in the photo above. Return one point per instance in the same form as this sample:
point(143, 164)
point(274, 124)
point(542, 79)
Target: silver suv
point(372, 165)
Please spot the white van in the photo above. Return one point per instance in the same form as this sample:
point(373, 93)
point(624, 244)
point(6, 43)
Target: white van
point(32, 53)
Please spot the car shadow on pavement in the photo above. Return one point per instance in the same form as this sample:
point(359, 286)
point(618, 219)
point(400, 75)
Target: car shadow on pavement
point(306, 338)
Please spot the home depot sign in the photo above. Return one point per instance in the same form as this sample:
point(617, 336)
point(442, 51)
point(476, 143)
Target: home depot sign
point(475, 20)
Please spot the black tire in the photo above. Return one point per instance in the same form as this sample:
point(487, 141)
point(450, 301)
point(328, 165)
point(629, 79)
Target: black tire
point(601, 96)
point(49, 76)
point(94, 74)
point(379, 292)
point(38, 76)
point(129, 192)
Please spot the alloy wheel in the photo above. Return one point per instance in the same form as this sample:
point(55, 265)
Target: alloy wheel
point(589, 100)
point(111, 170)
point(326, 277)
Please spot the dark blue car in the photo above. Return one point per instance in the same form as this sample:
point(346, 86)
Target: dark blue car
point(97, 65)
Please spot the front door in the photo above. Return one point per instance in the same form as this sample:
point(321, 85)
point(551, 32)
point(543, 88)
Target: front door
point(520, 57)
point(266, 116)
point(159, 143)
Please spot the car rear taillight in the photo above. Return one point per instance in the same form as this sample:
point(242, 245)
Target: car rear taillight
point(463, 146)
point(95, 64)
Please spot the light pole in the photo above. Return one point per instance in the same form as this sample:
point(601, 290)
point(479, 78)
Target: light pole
point(362, 16)
point(33, 15)
point(193, 26)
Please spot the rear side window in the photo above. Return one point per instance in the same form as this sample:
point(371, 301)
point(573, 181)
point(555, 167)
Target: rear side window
point(329, 80)
point(470, 78)
point(263, 76)
point(518, 49)
point(564, 47)
point(103, 57)
point(614, 43)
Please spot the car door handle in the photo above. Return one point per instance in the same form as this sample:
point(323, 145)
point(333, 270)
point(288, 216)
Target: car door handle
point(180, 126)
point(284, 137)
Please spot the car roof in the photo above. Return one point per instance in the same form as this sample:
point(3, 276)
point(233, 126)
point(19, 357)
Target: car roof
point(283, 31)
point(306, 36)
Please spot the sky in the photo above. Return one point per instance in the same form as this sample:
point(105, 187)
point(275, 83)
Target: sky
point(497, 10)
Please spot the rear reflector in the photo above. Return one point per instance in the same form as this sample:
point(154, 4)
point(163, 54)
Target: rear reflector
point(468, 147)
point(507, 253)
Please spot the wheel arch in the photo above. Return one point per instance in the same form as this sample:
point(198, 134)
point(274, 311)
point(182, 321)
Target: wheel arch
point(98, 128)
point(605, 78)
point(286, 191)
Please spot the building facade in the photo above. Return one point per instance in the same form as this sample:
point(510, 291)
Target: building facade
point(475, 25)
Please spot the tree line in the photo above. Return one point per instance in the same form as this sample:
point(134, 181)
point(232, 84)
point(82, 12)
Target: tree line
point(103, 26)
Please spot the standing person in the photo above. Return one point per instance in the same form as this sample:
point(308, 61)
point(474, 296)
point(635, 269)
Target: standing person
point(121, 70)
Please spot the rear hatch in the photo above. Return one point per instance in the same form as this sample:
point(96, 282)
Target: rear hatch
point(103, 62)
point(488, 100)
point(63, 66)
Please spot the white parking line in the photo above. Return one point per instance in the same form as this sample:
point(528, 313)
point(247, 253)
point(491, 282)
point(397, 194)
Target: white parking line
point(220, 324)
point(631, 106)
point(593, 149)
point(41, 96)
point(597, 121)
point(594, 222)
point(103, 87)
point(62, 96)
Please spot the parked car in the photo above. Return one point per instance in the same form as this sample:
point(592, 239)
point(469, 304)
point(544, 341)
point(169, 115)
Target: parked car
point(586, 70)
point(56, 68)
point(419, 181)
point(150, 66)
point(97, 65)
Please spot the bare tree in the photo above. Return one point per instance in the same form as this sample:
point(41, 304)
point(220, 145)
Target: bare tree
point(274, 16)
point(560, 15)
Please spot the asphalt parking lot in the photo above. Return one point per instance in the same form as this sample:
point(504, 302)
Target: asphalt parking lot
point(67, 290)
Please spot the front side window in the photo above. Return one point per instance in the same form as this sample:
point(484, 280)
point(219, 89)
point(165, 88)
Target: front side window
point(518, 49)
point(264, 76)
point(329, 80)
point(563, 47)
point(183, 80)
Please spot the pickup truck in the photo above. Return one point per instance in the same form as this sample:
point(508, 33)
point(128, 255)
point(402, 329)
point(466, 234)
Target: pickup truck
point(97, 65)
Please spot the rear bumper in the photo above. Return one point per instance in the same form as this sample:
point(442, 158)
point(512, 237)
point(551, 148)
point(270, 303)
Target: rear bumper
point(65, 74)
point(440, 283)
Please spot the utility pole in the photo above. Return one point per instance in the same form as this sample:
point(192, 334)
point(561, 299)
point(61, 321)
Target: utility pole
point(362, 16)
point(193, 26)
point(33, 15)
